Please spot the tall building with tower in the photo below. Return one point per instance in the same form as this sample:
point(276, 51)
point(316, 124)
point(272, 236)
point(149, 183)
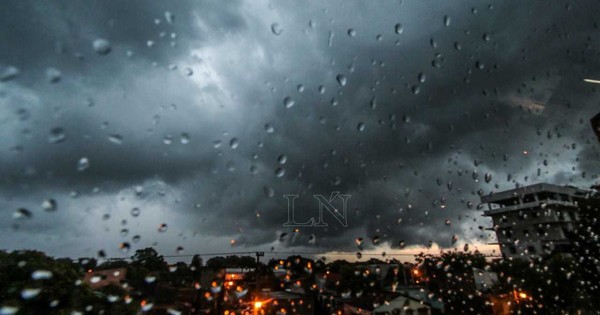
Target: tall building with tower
point(536, 220)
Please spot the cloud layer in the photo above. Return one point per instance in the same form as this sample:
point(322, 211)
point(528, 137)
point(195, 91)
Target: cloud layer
point(204, 114)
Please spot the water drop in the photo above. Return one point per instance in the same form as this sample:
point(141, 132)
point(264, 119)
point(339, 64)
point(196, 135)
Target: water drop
point(288, 102)
point(22, 213)
point(124, 247)
point(341, 79)
point(49, 205)
point(41, 275)
point(9, 73)
point(30, 293)
point(282, 159)
point(102, 46)
point(276, 29)
point(360, 126)
point(170, 17)
point(150, 279)
point(359, 241)
point(135, 211)
point(269, 128)
point(83, 164)
point(53, 75)
point(399, 28)
point(488, 177)
point(57, 135)
point(234, 143)
point(376, 240)
point(115, 138)
point(279, 172)
point(185, 138)
point(162, 227)
point(253, 169)
point(351, 32)
point(269, 192)
point(8, 310)
point(446, 20)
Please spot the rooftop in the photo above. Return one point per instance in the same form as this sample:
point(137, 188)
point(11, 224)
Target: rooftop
point(541, 187)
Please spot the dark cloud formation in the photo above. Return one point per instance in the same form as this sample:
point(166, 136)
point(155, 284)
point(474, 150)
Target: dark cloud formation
point(204, 114)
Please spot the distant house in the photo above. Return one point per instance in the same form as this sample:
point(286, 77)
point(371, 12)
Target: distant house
point(484, 280)
point(403, 305)
point(390, 304)
point(101, 278)
point(233, 274)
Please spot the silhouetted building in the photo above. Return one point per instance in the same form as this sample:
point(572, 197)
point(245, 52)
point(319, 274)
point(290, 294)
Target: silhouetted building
point(535, 220)
point(101, 278)
point(596, 125)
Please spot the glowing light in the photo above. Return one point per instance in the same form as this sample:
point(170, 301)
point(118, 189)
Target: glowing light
point(416, 272)
point(258, 304)
point(523, 295)
point(592, 81)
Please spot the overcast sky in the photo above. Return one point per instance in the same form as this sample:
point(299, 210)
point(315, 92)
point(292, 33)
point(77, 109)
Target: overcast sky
point(203, 114)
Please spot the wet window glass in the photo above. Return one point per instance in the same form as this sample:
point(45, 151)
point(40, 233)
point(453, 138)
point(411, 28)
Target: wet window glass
point(288, 157)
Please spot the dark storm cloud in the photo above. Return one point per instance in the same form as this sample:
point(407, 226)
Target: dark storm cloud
point(422, 116)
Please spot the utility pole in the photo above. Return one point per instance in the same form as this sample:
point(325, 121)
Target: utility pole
point(258, 255)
